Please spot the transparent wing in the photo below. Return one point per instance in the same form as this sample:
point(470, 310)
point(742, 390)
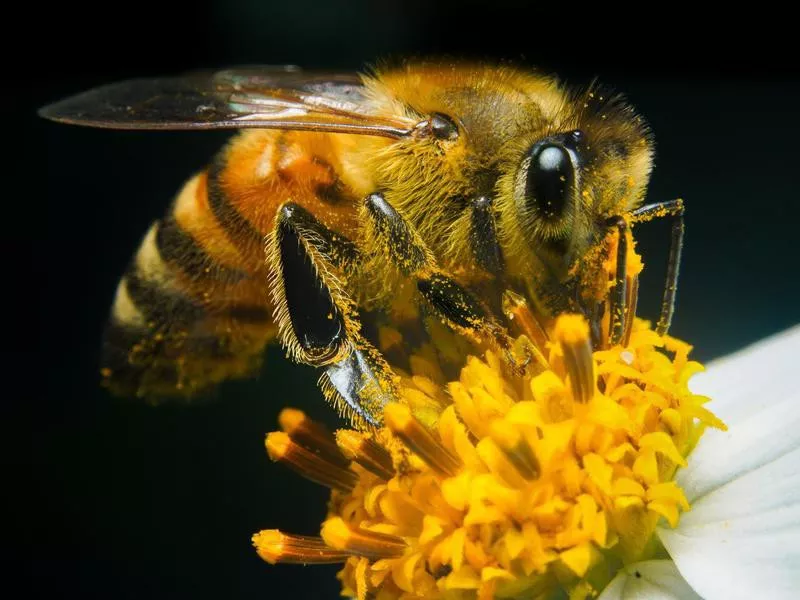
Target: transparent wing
point(251, 97)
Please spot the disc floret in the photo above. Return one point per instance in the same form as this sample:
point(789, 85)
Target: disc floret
point(522, 486)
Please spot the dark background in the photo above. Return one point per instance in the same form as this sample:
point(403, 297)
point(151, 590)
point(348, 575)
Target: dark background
point(109, 498)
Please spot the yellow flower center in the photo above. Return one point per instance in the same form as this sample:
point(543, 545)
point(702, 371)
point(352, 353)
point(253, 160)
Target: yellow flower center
point(520, 486)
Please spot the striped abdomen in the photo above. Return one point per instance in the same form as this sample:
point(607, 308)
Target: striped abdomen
point(193, 308)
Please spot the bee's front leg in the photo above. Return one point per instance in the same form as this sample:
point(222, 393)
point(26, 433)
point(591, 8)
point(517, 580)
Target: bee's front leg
point(454, 304)
point(317, 320)
point(675, 210)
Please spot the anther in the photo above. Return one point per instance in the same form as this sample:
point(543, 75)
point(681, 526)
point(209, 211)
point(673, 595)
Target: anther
point(277, 547)
point(361, 542)
point(516, 448)
point(572, 332)
point(366, 452)
point(516, 309)
point(419, 440)
point(314, 467)
point(312, 435)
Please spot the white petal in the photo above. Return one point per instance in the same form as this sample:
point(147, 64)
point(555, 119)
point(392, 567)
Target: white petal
point(747, 446)
point(741, 538)
point(649, 580)
point(730, 383)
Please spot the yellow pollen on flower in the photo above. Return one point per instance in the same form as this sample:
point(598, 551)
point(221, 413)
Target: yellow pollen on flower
point(522, 486)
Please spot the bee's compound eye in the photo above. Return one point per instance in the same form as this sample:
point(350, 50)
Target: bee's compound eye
point(443, 127)
point(551, 177)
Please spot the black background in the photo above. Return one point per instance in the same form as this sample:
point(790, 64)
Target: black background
point(113, 499)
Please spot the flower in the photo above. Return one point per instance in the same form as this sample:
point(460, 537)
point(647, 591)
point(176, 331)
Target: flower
point(560, 481)
point(742, 536)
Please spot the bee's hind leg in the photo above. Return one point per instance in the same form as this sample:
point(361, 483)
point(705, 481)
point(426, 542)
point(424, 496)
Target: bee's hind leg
point(317, 321)
point(454, 304)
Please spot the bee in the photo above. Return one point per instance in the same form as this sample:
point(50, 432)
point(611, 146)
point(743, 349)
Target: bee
point(468, 193)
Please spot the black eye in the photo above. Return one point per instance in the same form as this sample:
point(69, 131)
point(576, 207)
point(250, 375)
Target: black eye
point(443, 127)
point(551, 178)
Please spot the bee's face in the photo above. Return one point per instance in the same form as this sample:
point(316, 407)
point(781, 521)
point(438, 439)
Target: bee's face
point(563, 183)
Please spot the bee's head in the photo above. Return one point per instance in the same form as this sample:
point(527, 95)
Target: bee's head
point(591, 160)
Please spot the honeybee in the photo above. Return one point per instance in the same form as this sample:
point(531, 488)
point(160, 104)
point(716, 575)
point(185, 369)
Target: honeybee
point(470, 193)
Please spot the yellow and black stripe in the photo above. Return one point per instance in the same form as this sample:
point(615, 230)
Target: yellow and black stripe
point(188, 312)
point(193, 307)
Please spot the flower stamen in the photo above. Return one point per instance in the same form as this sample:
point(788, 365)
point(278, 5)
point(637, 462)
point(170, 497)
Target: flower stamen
point(517, 310)
point(274, 546)
point(314, 467)
point(516, 448)
point(419, 440)
point(572, 333)
point(366, 452)
point(311, 435)
point(361, 542)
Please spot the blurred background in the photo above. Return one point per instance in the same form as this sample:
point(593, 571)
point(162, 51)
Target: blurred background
point(110, 498)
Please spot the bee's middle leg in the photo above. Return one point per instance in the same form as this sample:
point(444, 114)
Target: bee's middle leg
point(317, 320)
point(454, 304)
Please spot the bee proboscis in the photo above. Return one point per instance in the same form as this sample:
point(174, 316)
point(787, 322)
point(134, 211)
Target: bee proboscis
point(454, 193)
